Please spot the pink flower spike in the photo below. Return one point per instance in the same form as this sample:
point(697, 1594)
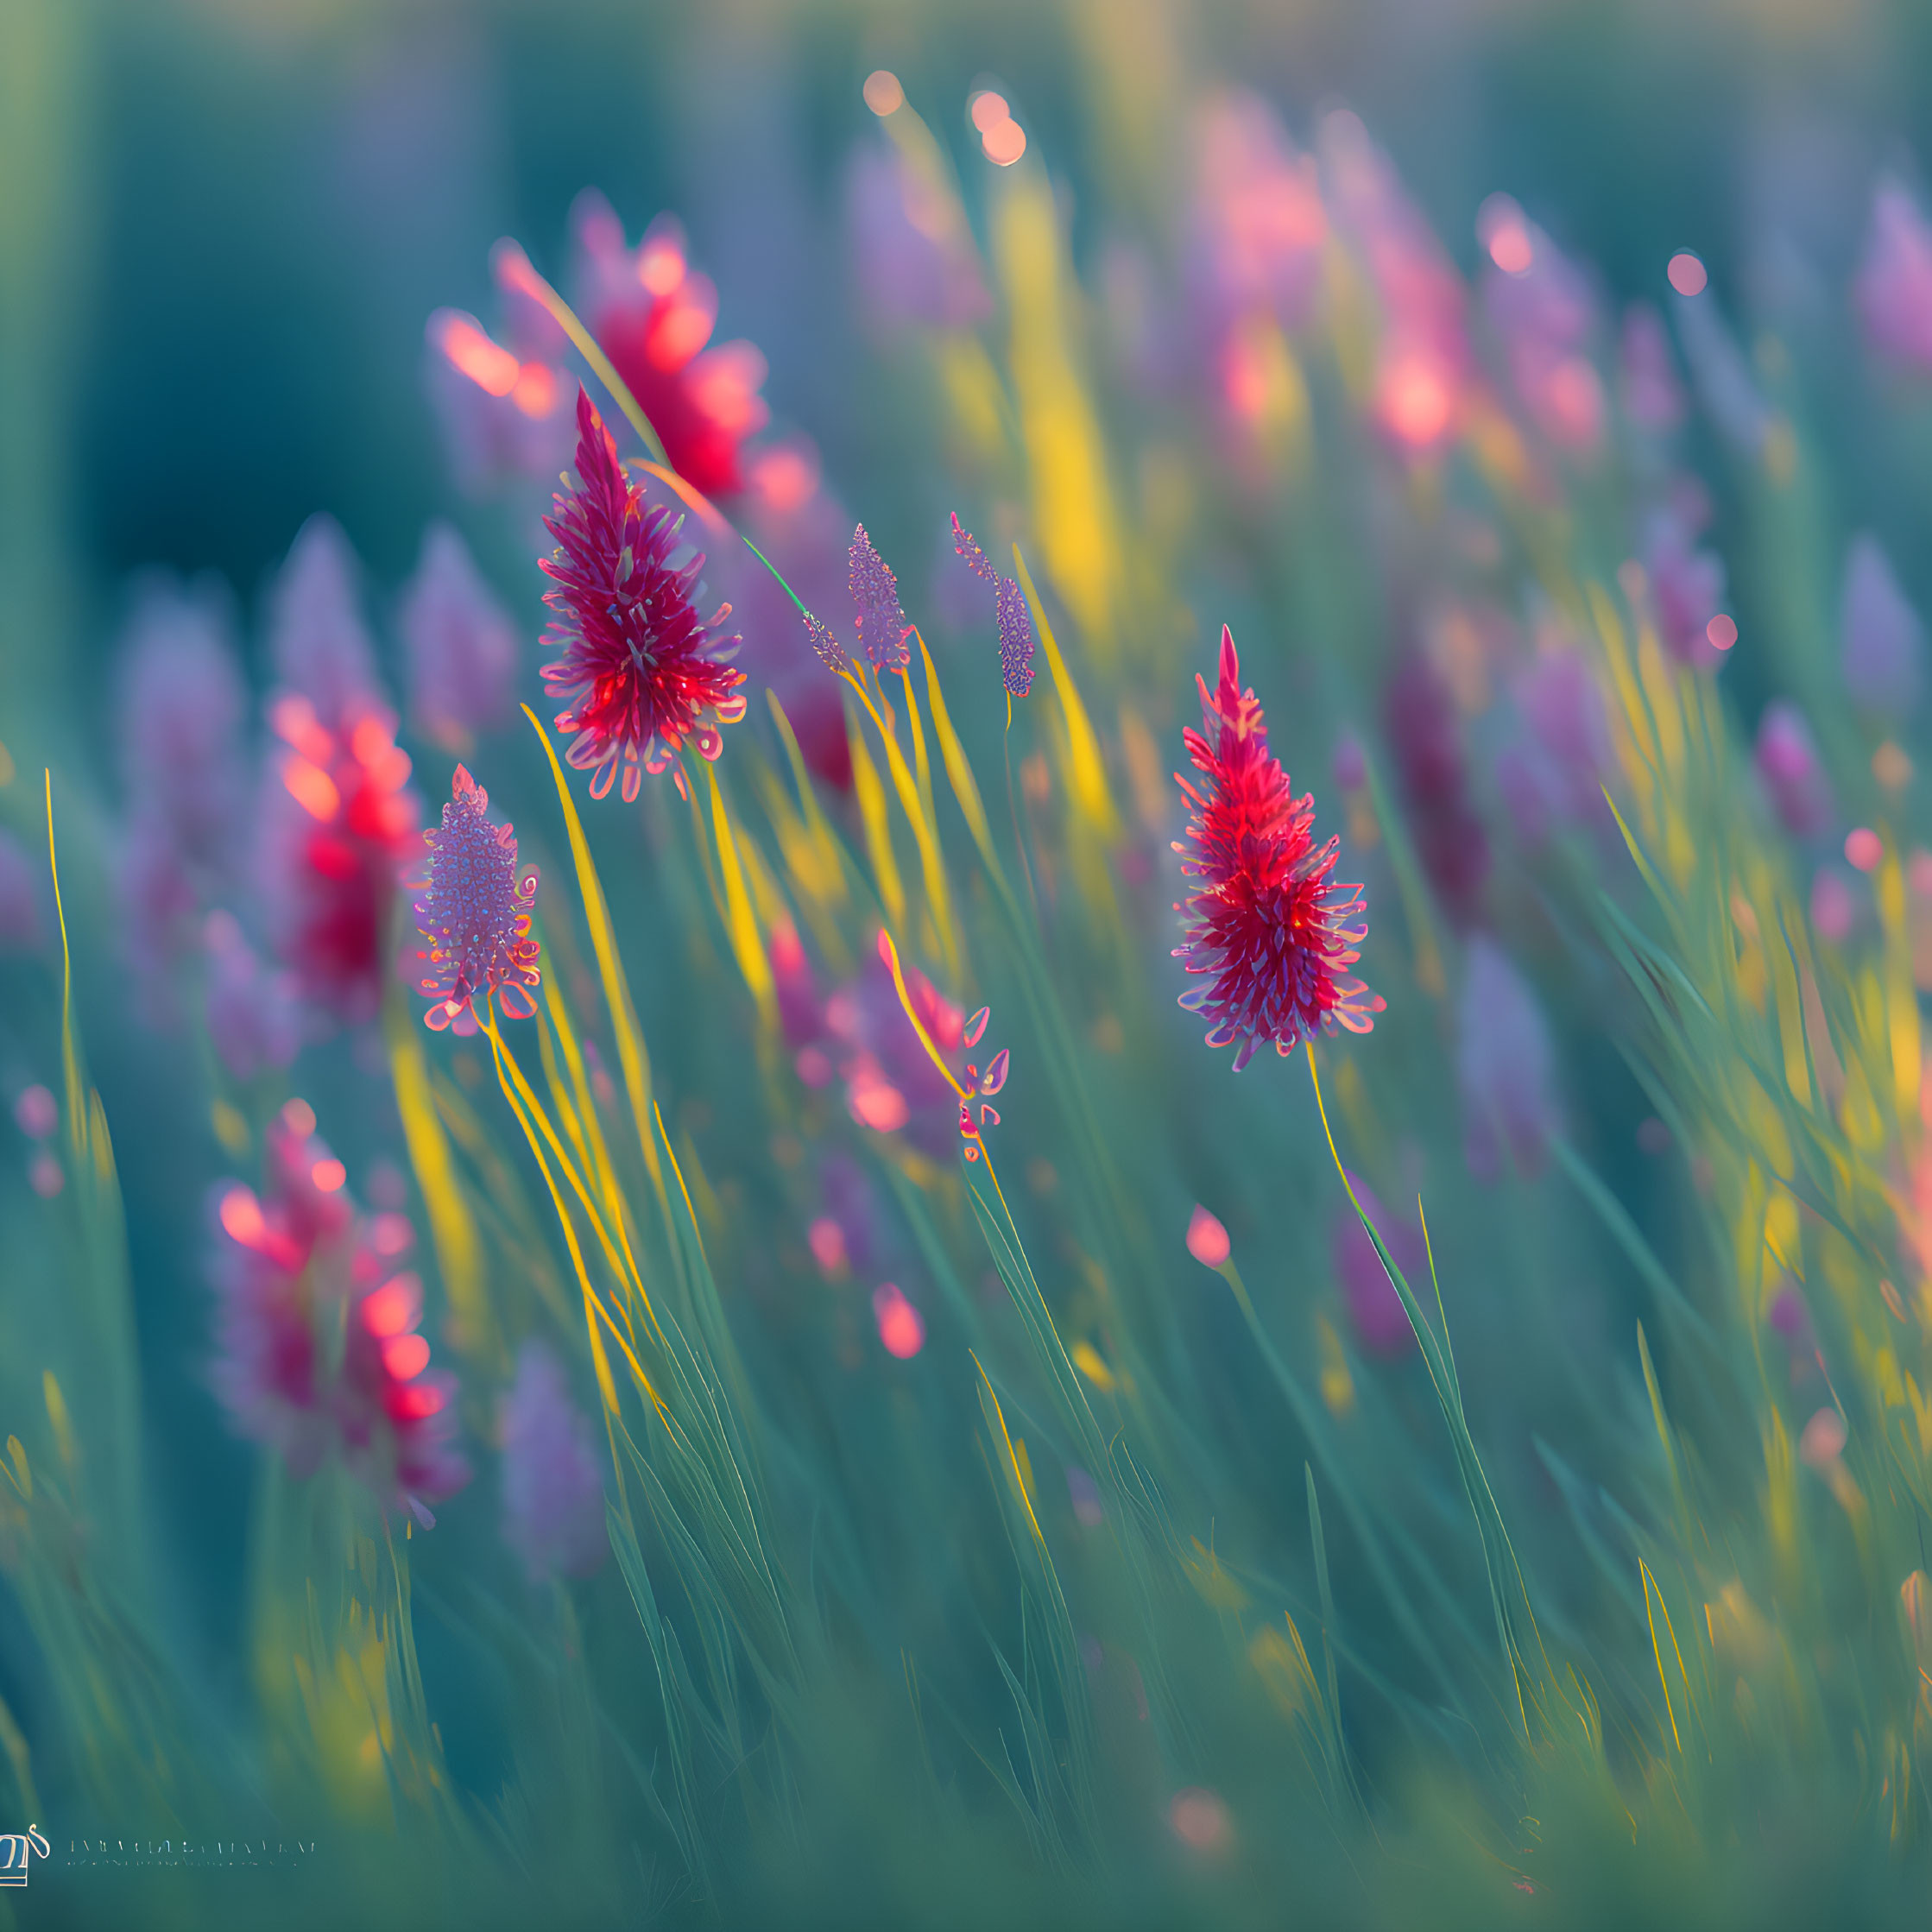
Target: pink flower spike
point(901, 1327)
point(640, 672)
point(475, 915)
point(1207, 1239)
point(1266, 921)
point(967, 548)
point(1016, 638)
point(882, 627)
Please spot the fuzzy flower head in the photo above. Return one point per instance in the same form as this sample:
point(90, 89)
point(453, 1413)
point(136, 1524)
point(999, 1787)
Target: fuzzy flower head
point(553, 1481)
point(475, 915)
point(882, 627)
point(1269, 924)
point(640, 671)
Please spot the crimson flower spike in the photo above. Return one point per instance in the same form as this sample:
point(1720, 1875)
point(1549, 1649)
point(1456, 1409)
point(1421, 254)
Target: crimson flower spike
point(640, 671)
point(1268, 925)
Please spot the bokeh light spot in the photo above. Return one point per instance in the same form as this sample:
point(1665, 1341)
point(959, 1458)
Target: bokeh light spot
point(1687, 275)
point(883, 94)
point(1004, 144)
point(1721, 631)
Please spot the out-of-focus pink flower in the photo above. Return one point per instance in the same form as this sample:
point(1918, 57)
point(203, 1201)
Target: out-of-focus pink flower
point(1893, 289)
point(1423, 362)
point(45, 1174)
point(1259, 226)
point(913, 252)
point(394, 1414)
point(1881, 640)
point(19, 897)
point(36, 1113)
point(461, 645)
point(891, 1084)
point(254, 1016)
point(337, 822)
point(1652, 397)
point(639, 670)
point(504, 419)
point(1426, 741)
point(181, 705)
point(1504, 1067)
point(1788, 769)
point(901, 1327)
point(1375, 1309)
point(797, 992)
point(475, 915)
point(553, 1477)
point(318, 642)
point(1687, 586)
point(1833, 906)
point(1207, 1239)
point(652, 316)
point(286, 1261)
point(1543, 309)
point(1270, 928)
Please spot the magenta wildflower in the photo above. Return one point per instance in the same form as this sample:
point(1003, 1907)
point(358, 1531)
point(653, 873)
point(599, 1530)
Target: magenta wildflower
point(475, 915)
point(1881, 640)
point(338, 820)
point(460, 641)
point(1504, 1067)
point(290, 1260)
point(1013, 619)
point(882, 627)
point(1375, 1310)
point(1269, 922)
point(552, 1479)
point(1788, 769)
point(640, 671)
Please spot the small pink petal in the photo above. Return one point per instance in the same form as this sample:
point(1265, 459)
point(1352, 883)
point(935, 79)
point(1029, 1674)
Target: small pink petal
point(901, 1328)
point(976, 1026)
point(1207, 1239)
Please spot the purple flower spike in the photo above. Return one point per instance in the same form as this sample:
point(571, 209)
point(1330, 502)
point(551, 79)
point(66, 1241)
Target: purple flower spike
point(552, 1484)
point(831, 653)
point(882, 627)
point(964, 547)
point(1016, 640)
point(1505, 1068)
point(475, 915)
point(461, 644)
point(1882, 642)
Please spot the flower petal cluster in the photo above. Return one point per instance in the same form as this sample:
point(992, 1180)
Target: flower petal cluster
point(640, 671)
point(475, 915)
point(1269, 928)
point(294, 1266)
point(1011, 614)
